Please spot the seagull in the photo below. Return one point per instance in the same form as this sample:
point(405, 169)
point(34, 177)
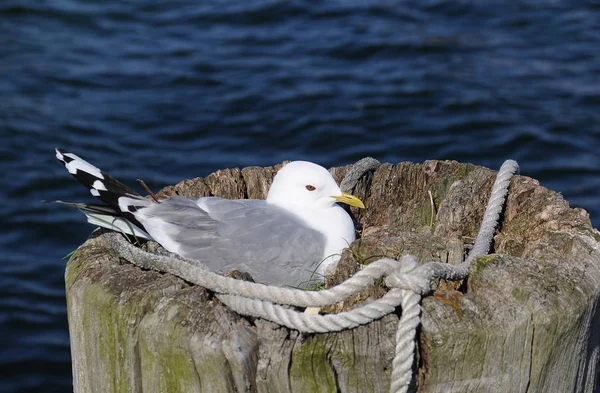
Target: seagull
point(295, 237)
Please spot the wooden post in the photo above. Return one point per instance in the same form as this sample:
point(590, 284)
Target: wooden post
point(526, 320)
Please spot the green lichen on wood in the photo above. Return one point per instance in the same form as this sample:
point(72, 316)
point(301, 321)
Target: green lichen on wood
point(104, 315)
point(175, 357)
point(480, 263)
point(108, 321)
point(99, 322)
point(167, 366)
point(447, 178)
point(310, 370)
point(357, 363)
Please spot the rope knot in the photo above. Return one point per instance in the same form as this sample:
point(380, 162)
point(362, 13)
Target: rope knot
point(410, 276)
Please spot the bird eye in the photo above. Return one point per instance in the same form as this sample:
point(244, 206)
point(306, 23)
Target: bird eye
point(310, 187)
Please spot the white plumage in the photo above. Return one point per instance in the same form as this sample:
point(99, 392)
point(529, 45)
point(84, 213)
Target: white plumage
point(293, 237)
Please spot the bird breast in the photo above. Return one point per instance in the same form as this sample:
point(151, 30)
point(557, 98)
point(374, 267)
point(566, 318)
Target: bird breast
point(337, 227)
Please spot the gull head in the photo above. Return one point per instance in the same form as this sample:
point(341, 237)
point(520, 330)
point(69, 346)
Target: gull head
point(302, 183)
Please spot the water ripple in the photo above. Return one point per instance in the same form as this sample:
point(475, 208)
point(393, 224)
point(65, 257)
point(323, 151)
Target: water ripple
point(167, 91)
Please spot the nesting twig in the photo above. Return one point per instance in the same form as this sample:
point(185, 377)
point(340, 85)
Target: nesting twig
point(148, 190)
point(432, 207)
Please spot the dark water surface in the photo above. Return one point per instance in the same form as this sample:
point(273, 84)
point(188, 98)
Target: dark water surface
point(172, 90)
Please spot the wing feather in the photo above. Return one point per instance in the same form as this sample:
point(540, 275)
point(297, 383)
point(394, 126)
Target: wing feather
point(271, 244)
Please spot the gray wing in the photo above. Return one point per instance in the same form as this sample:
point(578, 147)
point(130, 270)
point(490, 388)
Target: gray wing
point(252, 236)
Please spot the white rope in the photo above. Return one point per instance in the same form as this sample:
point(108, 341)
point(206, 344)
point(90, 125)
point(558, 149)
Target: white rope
point(364, 314)
point(486, 230)
point(493, 210)
point(407, 279)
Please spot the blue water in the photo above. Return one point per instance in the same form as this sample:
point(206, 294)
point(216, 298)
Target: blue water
point(171, 90)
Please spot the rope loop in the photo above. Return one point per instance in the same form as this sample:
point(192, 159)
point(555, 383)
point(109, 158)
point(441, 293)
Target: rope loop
point(410, 276)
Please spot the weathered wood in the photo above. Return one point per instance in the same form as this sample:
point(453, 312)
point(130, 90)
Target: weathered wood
point(526, 320)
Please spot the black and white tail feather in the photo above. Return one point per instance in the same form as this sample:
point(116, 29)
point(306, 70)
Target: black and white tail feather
point(121, 201)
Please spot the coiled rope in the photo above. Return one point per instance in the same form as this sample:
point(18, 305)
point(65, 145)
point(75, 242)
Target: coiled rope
point(408, 281)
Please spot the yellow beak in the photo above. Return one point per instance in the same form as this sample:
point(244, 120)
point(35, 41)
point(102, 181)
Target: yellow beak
point(349, 199)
